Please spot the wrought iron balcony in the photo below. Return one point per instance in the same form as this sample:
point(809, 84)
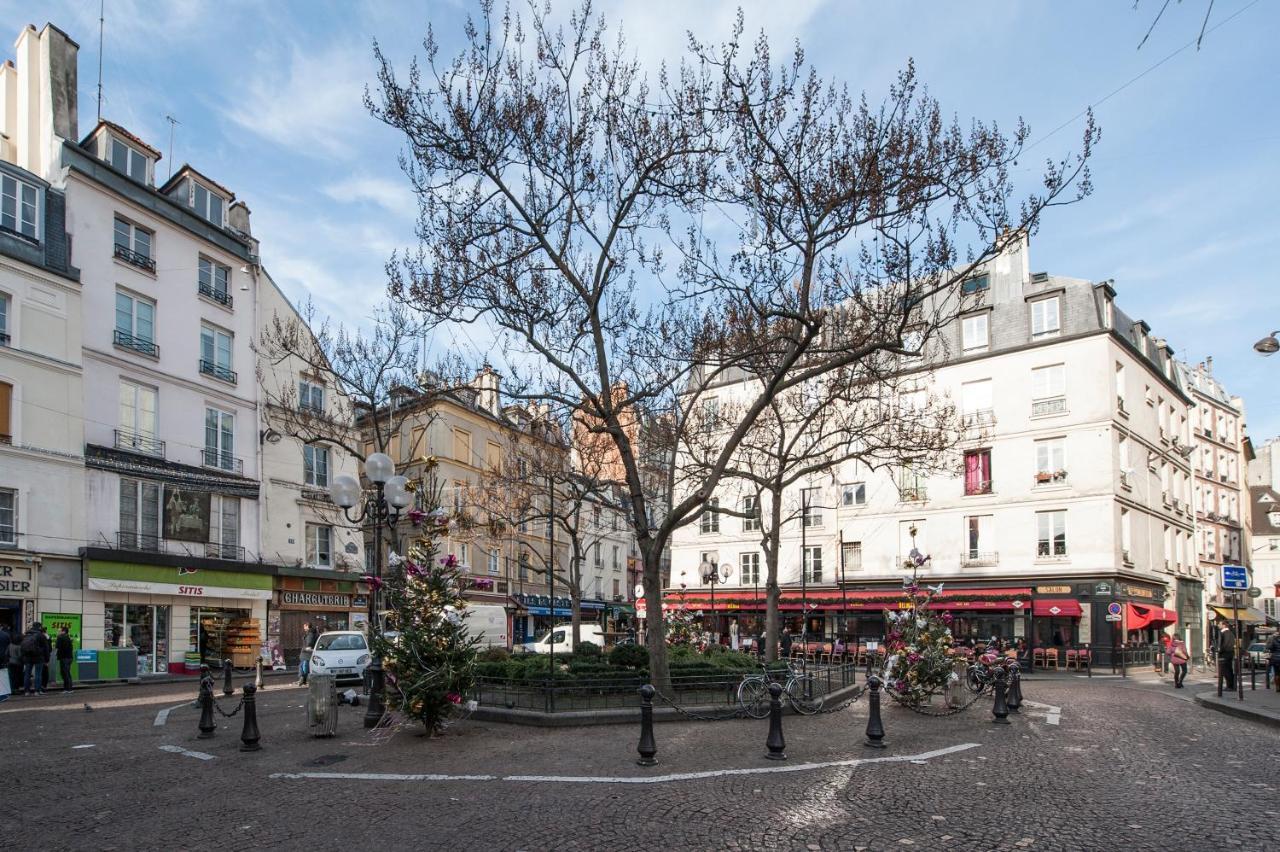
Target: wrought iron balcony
point(979, 558)
point(221, 297)
point(125, 340)
point(137, 442)
point(222, 460)
point(217, 371)
point(1053, 405)
point(915, 493)
point(135, 258)
point(981, 417)
point(214, 550)
point(4, 338)
point(138, 541)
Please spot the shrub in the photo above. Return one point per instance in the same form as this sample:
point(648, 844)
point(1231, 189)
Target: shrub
point(629, 657)
point(494, 655)
point(587, 649)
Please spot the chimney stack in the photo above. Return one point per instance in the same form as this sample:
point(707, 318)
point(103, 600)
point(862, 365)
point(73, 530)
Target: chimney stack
point(486, 383)
point(1208, 364)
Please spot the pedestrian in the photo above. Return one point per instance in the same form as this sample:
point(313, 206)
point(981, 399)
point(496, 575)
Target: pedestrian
point(786, 643)
point(1179, 656)
point(5, 639)
point(1227, 654)
point(65, 654)
point(1273, 662)
point(15, 662)
point(32, 662)
point(309, 637)
point(46, 648)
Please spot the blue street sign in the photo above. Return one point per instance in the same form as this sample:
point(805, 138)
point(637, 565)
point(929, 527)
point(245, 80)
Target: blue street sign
point(1235, 577)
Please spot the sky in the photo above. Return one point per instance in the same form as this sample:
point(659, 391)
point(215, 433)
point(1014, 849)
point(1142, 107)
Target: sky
point(269, 102)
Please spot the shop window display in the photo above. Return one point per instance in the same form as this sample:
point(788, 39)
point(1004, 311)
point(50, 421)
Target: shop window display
point(141, 626)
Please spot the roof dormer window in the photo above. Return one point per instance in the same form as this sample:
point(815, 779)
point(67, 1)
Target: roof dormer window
point(19, 207)
point(129, 160)
point(207, 204)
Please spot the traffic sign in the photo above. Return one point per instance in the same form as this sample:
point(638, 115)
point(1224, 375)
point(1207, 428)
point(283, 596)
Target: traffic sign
point(1113, 608)
point(1113, 616)
point(1235, 577)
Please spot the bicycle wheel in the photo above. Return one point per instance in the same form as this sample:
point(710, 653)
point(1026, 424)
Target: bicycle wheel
point(972, 681)
point(796, 689)
point(753, 695)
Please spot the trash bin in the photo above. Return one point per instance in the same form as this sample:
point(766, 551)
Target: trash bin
point(322, 705)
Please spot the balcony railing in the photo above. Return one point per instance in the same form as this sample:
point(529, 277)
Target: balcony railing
point(1049, 477)
point(4, 338)
point(217, 371)
point(1053, 405)
point(125, 340)
point(979, 558)
point(222, 297)
point(1120, 404)
point(981, 417)
point(137, 442)
point(1125, 479)
point(222, 460)
point(214, 550)
point(974, 489)
point(135, 258)
point(911, 494)
point(5, 439)
point(138, 541)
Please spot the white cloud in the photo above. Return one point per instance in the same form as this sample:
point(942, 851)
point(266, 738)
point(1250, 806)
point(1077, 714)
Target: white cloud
point(394, 196)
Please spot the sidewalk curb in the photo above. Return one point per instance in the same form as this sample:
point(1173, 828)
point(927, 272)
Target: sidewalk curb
point(1210, 700)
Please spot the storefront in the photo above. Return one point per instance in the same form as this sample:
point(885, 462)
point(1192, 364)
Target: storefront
point(536, 614)
point(325, 604)
point(175, 616)
point(17, 593)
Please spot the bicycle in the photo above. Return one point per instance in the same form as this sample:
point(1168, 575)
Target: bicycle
point(753, 692)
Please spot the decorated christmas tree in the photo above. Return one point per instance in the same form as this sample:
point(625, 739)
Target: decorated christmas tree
point(428, 657)
point(918, 639)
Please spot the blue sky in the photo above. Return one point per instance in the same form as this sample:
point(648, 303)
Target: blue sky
point(1183, 217)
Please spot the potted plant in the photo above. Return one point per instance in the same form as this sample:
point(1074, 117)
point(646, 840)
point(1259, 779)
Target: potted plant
point(1059, 475)
point(1043, 476)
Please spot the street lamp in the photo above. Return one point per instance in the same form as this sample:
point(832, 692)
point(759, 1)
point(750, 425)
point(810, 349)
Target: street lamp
point(1268, 345)
point(381, 508)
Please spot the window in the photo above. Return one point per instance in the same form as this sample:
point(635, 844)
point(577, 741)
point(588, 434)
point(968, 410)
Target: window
point(751, 508)
point(310, 396)
point(976, 284)
point(1044, 317)
point(811, 509)
point(973, 332)
point(139, 514)
point(315, 465)
point(128, 160)
point(19, 207)
point(319, 540)
point(617, 589)
point(1052, 534)
point(4, 319)
point(617, 561)
point(1126, 534)
point(1162, 415)
point(975, 403)
point(522, 566)
point(1051, 463)
point(1168, 546)
point(911, 482)
point(137, 409)
point(207, 204)
point(219, 439)
point(133, 244)
point(8, 517)
point(851, 556)
point(813, 563)
point(6, 413)
point(215, 353)
point(135, 324)
point(464, 554)
point(906, 541)
point(597, 560)
point(213, 278)
point(977, 472)
point(750, 565)
point(1120, 385)
point(1124, 455)
point(492, 456)
point(224, 527)
point(853, 494)
point(462, 446)
point(595, 517)
point(710, 413)
point(978, 537)
point(709, 522)
point(493, 562)
point(1048, 390)
point(913, 343)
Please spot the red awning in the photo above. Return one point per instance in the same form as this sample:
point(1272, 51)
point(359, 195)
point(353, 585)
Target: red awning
point(859, 600)
point(1056, 608)
point(1140, 616)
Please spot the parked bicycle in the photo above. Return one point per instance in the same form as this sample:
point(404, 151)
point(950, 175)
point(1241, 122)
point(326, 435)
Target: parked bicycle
point(798, 689)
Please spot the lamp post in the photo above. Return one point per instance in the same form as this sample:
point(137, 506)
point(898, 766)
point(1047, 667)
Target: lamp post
point(710, 576)
point(1268, 345)
point(381, 508)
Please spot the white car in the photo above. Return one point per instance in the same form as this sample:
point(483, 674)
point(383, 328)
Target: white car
point(341, 653)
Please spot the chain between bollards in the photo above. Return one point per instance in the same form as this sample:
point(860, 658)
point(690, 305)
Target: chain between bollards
point(249, 735)
point(207, 725)
point(647, 748)
point(875, 727)
point(227, 688)
point(1000, 710)
point(775, 743)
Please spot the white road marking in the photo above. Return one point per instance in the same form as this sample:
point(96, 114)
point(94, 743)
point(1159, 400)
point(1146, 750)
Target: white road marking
point(624, 779)
point(1052, 714)
point(198, 755)
point(163, 715)
point(86, 745)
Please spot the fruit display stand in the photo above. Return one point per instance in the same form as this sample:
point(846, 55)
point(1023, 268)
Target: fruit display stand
point(243, 641)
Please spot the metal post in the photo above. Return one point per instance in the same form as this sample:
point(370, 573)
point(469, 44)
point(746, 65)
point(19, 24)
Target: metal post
point(377, 684)
point(551, 585)
point(1235, 611)
point(1124, 661)
point(775, 743)
point(804, 578)
point(207, 725)
point(249, 736)
point(1000, 710)
point(875, 727)
point(257, 678)
point(647, 748)
point(1014, 699)
point(1219, 662)
point(1089, 651)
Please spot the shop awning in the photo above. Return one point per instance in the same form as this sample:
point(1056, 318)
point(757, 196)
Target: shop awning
point(834, 600)
point(1247, 614)
point(1140, 616)
point(1056, 608)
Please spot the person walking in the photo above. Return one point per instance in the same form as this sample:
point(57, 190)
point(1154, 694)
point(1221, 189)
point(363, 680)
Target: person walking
point(1227, 654)
point(309, 637)
point(32, 662)
point(46, 648)
point(1273, 662)
point(15, 662)
point(66, 651)
point(786, 644)
point(1179, 656)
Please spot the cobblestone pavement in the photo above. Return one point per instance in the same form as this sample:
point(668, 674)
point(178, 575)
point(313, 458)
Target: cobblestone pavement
point(1128, 766)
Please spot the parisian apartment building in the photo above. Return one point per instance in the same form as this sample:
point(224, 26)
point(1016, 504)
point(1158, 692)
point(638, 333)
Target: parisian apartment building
point(1069, 520)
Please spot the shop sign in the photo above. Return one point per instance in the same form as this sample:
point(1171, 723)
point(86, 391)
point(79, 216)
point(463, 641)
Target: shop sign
point(316, 599)
point(1138, 592)
point(110, 584)
point(15, 580)
point(1102, 589)
point(1053, 590)
point(1017, 604)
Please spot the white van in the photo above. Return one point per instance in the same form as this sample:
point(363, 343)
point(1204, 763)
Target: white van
point(489, 623)
point(563, 635)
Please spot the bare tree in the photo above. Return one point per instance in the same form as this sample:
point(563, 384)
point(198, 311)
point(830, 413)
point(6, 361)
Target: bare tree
point(554, 180)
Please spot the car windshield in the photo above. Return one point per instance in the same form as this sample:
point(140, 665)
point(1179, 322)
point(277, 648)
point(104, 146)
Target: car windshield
point(341, 642)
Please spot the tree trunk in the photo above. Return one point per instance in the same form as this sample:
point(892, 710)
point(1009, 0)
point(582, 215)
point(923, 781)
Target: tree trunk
point(655, 633)
point(575, 595)
point(772, 545)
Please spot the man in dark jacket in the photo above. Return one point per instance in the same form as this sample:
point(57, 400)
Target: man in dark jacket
point(66, 651)
point(1227, 654)
point(32, 661)
point(309, 637)
point(5, 639)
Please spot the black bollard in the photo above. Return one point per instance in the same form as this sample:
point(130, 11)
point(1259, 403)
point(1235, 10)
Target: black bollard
point(647, 748)
point(249, 735)
point(1014, 699)
point(775, 743)
point(1000, 709)
point(207, 725)
point(875, 727)
point(227, 688)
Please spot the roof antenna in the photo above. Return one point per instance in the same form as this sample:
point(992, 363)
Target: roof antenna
point(173, 122)
point(101, 25)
